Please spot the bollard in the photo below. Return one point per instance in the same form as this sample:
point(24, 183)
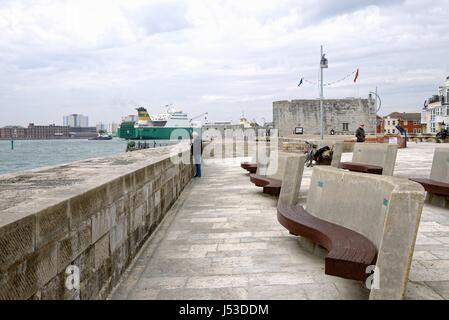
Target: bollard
point(12, 144)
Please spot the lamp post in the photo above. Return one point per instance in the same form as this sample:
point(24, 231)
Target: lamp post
point(378, 105)
point(323, 65)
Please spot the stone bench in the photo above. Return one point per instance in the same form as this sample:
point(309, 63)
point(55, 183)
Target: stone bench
point(437, 186)
point(365, 223)
point(269, 176)
point(270, 185)
point(350, 253)
point(250, 167)
point(368, 158)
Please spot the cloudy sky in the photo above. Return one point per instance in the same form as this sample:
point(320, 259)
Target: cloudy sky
point(104, 58)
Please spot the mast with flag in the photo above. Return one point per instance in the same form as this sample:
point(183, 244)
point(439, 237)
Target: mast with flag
point(356, 75)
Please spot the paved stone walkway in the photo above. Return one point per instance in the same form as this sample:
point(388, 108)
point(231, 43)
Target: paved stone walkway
point(222, 240)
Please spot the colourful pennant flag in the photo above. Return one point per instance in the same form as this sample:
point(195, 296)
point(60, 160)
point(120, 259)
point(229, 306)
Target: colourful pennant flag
point(356, 76)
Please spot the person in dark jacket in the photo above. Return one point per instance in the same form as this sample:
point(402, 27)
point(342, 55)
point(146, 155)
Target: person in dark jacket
point(443, 134)
point(196, 152)
point(360, 133)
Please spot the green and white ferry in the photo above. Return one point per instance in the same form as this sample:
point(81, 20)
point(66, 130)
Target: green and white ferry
point(159, 130)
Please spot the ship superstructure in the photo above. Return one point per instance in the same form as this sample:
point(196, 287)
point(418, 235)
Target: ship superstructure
point(174, 125)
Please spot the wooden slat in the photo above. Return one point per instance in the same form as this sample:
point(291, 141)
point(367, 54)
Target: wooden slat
point(350, 253)
point(433, 186)
point(361, 167)
point(270, 185)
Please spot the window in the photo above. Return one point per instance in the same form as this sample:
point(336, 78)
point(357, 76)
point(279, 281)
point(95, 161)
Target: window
point(415, 131)
point(388, 122)
point(345, 126)
point(405, 122)
point(394, 131)
point(388, 130)
point(394, 122)
point(432, 127)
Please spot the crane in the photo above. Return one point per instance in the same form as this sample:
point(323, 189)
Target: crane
point(199, 116)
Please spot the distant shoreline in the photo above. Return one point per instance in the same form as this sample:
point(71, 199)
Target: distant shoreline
point(44, 139)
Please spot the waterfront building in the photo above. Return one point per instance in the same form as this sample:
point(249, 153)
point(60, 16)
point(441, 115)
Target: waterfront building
point(82, 132)
point(112, 128)
point(221, 127)
point(410, 121)
point(341, 116)
point(102, 127)
point(38, 132)
point(435, 114)
point(13, 132)
point(76, 121)
point(46, 132)
point(379, 124)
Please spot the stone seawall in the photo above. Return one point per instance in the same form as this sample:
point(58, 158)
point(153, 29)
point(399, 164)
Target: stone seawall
point(93, 215)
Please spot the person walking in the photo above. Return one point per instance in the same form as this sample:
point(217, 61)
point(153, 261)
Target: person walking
point(360, 133)
point(196, 152)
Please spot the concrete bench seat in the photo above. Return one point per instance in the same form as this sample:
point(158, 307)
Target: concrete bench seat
point(364, 221)
point(270, 185)
point(361, 167)
point(350, 253)
point(433, 186)
point(437, 185)
point(371, 155)
point(250, 167)
point(269, 174)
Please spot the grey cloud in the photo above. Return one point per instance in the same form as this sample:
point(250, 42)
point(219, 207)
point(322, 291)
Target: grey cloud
point(161, 17)
point(405, 56)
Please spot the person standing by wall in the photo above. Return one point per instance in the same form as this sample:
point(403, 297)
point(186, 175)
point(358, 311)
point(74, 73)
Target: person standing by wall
point(196, 153)
point(360, 133)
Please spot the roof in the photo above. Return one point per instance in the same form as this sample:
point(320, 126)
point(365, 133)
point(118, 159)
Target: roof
point(409, 116)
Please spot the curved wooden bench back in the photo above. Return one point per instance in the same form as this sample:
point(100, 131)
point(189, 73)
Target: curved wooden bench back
point(440, 165)
point(386, 210)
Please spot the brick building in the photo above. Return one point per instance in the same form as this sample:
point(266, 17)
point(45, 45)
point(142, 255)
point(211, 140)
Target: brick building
point(411, 121)
point(34, 132)
point(379, 124)
point(16, 132)
point(47, 132)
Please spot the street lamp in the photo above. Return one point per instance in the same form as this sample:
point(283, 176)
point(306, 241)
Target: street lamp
point(324, 64)
point(377, 99)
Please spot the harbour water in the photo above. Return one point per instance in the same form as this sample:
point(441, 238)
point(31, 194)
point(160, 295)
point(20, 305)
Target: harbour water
point(32, 154)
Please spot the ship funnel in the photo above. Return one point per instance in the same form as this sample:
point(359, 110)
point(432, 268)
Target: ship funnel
point(143, 115)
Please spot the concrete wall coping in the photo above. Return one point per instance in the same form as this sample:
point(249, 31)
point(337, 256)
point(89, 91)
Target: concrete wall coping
point(29, 192)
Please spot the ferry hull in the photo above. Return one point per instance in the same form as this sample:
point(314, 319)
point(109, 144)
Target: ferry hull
point(155, 133)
